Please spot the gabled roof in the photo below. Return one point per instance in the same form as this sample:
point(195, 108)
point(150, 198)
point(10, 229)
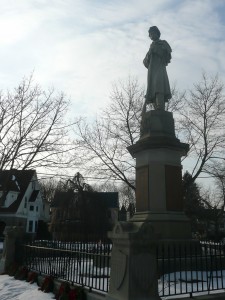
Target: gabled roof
point(62, 198)
point(11, 185)
point(12, 179)
point(109, 198)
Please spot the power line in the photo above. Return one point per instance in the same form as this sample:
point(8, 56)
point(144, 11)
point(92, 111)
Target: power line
point(50, 175)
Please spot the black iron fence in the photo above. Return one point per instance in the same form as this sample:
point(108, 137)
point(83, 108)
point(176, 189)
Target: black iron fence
point(83, 263)
point(190, 268)
point(184, 268)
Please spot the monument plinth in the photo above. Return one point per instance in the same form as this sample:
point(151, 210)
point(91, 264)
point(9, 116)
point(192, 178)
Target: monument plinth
point(159, 196)
point(133, 262)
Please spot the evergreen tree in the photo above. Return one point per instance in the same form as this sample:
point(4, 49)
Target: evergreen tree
point(193, 202)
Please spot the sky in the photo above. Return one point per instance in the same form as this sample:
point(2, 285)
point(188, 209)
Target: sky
point(81, 47)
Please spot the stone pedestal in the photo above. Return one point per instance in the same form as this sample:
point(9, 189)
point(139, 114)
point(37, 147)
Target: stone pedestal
point(133, 262)
point(159, 197)
point(12, 236)
point(159, 217)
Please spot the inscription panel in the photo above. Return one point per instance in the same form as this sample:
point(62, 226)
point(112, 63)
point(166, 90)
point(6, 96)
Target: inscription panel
point(142, 189)
point(174, 195)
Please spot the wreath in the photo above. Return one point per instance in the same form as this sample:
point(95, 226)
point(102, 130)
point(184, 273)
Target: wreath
point(67, 293)
point(47, 285)
point(32, 277)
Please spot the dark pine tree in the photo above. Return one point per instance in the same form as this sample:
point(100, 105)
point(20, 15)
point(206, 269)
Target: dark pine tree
point(193, 203)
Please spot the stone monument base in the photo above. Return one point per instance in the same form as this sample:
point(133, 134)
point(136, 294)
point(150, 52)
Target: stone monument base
point(140, 246)
point(133, 262)
point(166, 225)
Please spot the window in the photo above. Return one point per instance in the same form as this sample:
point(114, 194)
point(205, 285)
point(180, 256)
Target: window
point(31, 208)
point(36, 226)
point(36, 208)
point(30, 228)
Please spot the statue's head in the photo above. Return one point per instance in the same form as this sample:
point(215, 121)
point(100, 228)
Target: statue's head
point(154, 33)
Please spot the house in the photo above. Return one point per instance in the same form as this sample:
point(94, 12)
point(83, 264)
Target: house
point(75, 214)
point(21, 203)
point(112, 204)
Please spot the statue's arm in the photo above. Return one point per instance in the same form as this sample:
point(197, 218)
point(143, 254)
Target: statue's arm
point(146, 60)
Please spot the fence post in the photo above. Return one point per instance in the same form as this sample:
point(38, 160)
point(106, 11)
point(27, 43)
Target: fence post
point(11, 254)
point(133, 262)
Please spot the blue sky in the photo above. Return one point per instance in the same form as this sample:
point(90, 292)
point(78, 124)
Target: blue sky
point(82, 46)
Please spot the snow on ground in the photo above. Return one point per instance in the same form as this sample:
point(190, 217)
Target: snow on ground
point(11, 288)
point(20, 290)
point(197, 283)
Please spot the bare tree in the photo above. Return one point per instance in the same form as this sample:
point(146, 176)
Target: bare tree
point(126, 193)
point(217, 171)
point(78, 184)
point(202, 123)
point(103, 145)
point(199, 118)
point(213, 213)
point(48, 188)
point(32, 127)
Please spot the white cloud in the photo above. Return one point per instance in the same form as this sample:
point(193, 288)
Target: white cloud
point(81, 46)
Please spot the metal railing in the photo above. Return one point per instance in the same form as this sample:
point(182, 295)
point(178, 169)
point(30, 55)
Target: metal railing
point(190, 268)
point(185, 268)
point(83, 263)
